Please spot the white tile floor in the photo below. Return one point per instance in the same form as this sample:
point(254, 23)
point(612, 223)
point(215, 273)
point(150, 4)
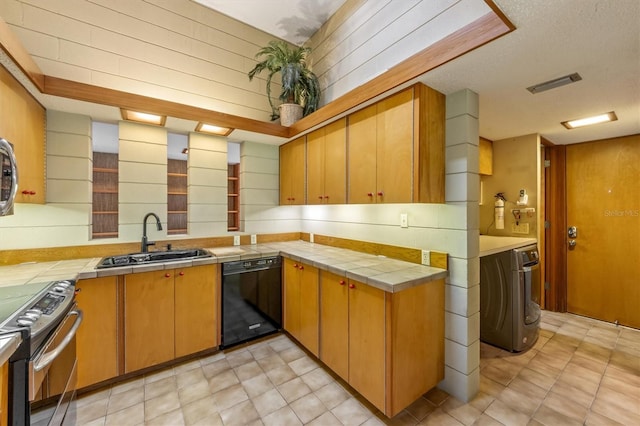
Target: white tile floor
point(580, 371)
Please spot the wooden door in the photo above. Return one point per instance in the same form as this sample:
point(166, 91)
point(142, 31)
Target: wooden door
point(97, 336)
point(291, 308)
point(335, 168)
point(309, 308)
point(395, 148)
point(148, 319)
point(361, 166)
point(603, 203)
point(316, 166)
point(367, 342)
point(195, 313)
point(334, 323)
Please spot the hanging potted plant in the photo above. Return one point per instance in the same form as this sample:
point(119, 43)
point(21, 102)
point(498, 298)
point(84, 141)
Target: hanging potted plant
point(300, 88)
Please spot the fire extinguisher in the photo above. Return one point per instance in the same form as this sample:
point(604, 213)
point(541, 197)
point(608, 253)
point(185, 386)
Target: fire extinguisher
point(499, 210)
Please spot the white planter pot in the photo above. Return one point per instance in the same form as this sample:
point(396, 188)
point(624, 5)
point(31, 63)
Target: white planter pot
point(290, 113)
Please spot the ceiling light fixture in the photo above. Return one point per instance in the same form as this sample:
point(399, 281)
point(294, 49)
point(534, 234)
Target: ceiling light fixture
point(552, 84)
point(601, 118)
point(185, 151)
point(215, 130)
point(143, 117)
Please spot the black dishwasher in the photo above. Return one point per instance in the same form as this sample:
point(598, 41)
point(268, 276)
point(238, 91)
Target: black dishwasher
point(251, 299)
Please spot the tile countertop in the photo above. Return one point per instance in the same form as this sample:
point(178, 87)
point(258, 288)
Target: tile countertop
point(490, 244)
point(387, 274)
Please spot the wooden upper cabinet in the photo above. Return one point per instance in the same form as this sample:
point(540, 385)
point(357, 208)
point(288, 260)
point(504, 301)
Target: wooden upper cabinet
point(22, 122)
point(485, 148)
point(292, 172)
point(396, 149)
point(327, 164)
point(362, 156)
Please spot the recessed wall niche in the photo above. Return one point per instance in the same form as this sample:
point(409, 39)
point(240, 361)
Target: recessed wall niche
point(104, 222)
point(233, 186)
point(177, 152)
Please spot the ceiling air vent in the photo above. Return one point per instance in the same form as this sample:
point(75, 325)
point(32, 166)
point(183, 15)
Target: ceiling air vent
point(552, 84)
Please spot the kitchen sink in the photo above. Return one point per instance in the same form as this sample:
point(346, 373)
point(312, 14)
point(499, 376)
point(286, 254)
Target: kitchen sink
point(152, 257)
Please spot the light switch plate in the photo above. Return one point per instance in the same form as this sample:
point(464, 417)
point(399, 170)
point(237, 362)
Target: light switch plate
point(404, 220)
point(236, 240)
point(311, 237)
point(254, 239)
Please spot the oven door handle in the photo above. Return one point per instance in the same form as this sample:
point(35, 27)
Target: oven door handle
point(48, 357)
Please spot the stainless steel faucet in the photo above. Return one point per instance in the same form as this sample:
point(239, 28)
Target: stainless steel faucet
point(144, 247)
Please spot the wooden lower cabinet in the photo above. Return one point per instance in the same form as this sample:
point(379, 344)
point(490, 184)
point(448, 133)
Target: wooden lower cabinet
point(388, 346)
point(97, 336)
point(196, 322)
point(301, 303)
point(148, 319)
point(169, 314)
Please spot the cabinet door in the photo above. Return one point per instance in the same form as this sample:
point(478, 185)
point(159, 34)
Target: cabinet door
point(367, 342)
point(334, 323)
point(335, 170)
point(309, 308)
point(22, 123)
point(316, 167)
point(291, 309)
point(195, 309)
point(97, 337)
point(292, 169)
point(394, 137)
point(362, 156)
point(148, 319)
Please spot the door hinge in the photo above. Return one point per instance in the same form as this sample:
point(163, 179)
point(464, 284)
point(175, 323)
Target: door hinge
point(547, 285)
point(547, 224)
point(547, 163)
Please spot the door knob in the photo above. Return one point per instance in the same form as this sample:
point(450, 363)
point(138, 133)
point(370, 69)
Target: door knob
point(572, 243)
point(572, 232)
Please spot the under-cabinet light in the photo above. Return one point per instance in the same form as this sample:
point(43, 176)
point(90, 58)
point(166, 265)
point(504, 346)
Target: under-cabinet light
point(601, 118)
point(215, 130)
point(143, 117)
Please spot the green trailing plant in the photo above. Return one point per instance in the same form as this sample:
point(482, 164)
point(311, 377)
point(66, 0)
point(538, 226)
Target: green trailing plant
point(299, 84)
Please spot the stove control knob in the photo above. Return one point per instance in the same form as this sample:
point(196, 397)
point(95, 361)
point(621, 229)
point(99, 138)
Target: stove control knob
point(58, 289)
point(31, 315)
point(26, 321)
point(63, 284)
point(33, 311)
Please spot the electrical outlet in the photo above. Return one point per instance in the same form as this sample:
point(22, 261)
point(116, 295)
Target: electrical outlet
point(426, 257)
point(521, 228)
point(404, 221)
point(311, 237)
point(236, 240)
point(254, 239)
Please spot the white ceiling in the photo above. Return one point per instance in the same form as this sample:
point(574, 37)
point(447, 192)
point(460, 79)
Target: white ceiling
point(291, 20)
point(598, 39)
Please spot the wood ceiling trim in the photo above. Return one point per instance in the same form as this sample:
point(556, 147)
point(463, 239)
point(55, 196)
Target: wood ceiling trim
point(12, 46)
point(485, 29)
point(101, 95)
point(481, 31)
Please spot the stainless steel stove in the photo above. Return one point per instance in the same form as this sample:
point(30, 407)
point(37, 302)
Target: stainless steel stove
point(47, 316)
